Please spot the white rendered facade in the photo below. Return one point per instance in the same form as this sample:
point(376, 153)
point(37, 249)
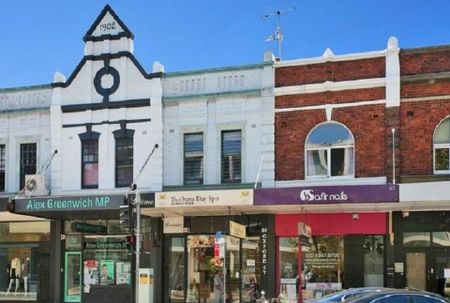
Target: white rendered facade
point(215, 100)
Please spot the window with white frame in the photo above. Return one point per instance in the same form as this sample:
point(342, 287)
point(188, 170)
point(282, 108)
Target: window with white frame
point(231, 156)
point(193, 158)
point(329, 151)
point(441, 147)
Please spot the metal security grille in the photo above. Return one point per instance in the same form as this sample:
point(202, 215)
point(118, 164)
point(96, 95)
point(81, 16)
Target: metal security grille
point(27, 161)
point(90, 163)
point(231, 156)
point(193, 158)
point(2, 167)
point(124, 161)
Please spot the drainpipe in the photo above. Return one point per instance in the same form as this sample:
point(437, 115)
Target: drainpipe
point(393, 155)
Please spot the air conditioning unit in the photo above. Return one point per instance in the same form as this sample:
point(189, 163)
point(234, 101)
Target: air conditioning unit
point(35, 185)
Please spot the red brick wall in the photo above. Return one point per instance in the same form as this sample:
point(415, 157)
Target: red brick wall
point(330, 71)
point(425, 61)
point(346, 96)
point(425, 88)
point(365, 122)
point(418, 122)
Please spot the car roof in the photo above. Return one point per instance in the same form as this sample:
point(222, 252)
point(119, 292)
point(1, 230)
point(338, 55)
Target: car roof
point(376, 295)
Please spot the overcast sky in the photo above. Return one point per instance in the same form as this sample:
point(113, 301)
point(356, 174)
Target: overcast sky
point(40, 37)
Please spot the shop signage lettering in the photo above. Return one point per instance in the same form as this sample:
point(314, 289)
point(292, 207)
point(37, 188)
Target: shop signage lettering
point(105, 245)
point(50, 204)
point(68, 203)
point(237, 230)
point(328, 194)
point(88, 228)
point(310, 195)
point(206, 198)
point(264, 250)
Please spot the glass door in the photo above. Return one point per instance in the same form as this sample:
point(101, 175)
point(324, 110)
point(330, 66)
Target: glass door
point(440, 273)
point(251, 262)
point(72, 277)
point(416, 270)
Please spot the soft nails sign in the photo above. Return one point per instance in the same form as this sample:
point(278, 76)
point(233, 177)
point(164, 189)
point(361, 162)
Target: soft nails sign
point(328, 194)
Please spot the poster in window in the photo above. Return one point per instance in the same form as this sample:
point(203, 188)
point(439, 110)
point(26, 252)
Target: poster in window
point(106, 272)
point(123, 273)
point(90, 274)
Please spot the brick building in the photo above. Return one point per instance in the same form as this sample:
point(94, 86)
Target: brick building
point(341, 122)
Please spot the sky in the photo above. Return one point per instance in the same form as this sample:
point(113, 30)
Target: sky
point(41, 37)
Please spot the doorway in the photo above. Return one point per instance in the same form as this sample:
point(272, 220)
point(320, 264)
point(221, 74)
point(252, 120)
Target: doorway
point(213, 273)
point(72, 279)
point(428, 270)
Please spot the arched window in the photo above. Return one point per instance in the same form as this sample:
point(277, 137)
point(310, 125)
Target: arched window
point(329, 151)
point(441, 147)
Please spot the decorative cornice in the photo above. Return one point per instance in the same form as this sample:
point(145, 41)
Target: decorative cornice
point(329, 86)
point(328, 56)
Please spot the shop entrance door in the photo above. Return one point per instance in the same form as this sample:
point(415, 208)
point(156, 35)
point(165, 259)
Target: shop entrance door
point(440, 271)
point(210, 278)
point(416, 269)
point(72, 277)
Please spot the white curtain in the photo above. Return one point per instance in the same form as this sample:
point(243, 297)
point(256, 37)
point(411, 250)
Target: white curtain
point(348, 161)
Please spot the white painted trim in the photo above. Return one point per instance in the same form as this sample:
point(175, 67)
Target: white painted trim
point(324, 106)
point(327, 58)
point(330, 86)
point(332, 182)
point(432, 98)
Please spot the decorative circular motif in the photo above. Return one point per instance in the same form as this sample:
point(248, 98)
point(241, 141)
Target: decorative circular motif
point(106, 91)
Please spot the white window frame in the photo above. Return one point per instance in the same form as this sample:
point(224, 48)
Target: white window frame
point(439, 146)
point(328, 149)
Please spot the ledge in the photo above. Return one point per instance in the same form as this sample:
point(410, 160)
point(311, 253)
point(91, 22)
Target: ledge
point(210, 187)
point(424, 178)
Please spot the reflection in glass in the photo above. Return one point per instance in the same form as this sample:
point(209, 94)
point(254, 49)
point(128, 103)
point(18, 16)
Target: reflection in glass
point(329, 151)
point(176, 270)
point(441, 238)
point(413, 239)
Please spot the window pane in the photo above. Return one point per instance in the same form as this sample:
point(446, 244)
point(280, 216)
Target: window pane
point(124, 162)
point(416, 239)
point(289, 267)
point(441, 238)
point(317, 162)
point(90, 174)
point(231, 156)
point(27, 161)
point(373, 261)
point(176, 266)
point(329, 134)
point(193, 158)
point(90, 163)
point(441, 160)
point(341, 161)
point(442, 134)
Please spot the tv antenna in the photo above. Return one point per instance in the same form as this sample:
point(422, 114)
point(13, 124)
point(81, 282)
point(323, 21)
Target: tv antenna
point(278, 34)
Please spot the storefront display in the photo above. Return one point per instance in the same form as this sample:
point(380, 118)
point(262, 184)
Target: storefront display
point(20, 243)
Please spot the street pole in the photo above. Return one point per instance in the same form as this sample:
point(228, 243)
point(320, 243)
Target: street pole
point(138, 243)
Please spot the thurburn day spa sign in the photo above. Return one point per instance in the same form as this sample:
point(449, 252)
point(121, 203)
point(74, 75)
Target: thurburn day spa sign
point(69, 203)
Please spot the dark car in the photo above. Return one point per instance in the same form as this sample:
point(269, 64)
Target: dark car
point(346, 294)
point(399, 296)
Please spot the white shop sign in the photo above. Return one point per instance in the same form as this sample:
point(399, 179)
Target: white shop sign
point(204, 198)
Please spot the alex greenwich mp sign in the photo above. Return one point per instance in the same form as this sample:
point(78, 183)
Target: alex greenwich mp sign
point(78, 203)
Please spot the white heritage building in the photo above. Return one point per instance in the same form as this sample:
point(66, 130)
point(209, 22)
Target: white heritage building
point(84, 138)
